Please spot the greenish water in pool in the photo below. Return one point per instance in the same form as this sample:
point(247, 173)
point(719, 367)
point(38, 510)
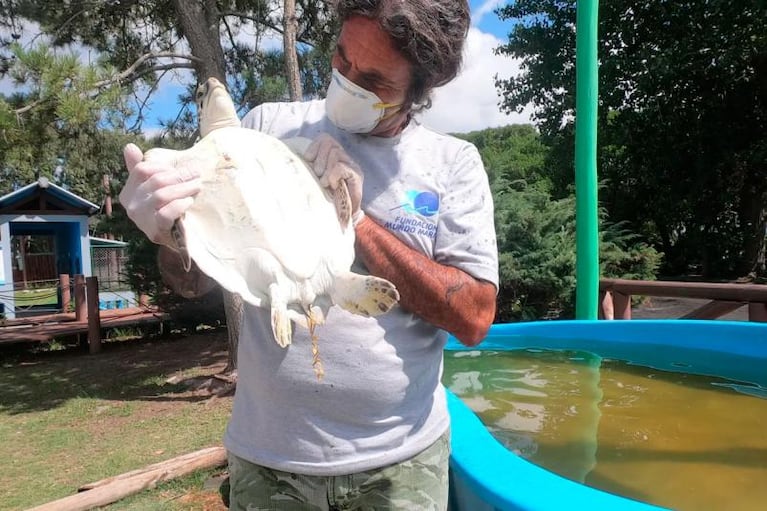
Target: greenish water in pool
point(675, 440)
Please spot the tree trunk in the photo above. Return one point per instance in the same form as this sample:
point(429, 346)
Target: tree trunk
point(199, 23)
point(290, 27)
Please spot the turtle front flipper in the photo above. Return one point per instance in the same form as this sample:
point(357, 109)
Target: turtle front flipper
point(364, 295)
point(179, 239)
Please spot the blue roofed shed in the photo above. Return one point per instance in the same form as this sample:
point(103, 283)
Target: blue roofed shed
point(51, 223)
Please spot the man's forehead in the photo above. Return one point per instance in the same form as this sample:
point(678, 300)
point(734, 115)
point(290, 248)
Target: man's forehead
point(365, 45)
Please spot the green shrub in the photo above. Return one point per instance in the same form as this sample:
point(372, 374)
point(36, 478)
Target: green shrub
point(536, 244)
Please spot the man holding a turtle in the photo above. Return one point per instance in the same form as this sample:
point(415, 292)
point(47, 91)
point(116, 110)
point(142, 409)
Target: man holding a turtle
point(374, 433)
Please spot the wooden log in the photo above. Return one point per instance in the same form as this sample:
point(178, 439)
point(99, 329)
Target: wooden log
point(209, 454)
point(112, 489)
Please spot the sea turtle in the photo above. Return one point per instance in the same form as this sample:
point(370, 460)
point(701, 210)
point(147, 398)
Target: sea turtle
point(263, 226)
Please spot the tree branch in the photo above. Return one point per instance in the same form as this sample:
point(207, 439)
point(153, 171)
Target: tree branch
point(258, 21)
point(127, 76)
point(124, 75)
point(267, 23)
point(27, 108)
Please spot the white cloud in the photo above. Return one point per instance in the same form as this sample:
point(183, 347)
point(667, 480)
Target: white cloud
point(487, 7)
point(471, 101)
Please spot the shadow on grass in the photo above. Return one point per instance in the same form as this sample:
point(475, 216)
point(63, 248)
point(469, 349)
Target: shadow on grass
point(123, 371)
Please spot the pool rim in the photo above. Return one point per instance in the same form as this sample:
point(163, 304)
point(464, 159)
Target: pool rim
point(484, 464)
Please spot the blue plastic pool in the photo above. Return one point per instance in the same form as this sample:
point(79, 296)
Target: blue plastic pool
point(486, 476)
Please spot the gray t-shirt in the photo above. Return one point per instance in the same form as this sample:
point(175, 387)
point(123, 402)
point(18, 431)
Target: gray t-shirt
point(381, 400)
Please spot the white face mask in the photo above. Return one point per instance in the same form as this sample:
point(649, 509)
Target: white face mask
point(352, 108)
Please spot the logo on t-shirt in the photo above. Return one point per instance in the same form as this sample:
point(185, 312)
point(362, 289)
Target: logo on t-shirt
point(421, 203)
point(417, 204)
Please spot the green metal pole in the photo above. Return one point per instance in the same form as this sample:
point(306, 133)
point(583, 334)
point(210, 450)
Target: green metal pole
point(586, 219)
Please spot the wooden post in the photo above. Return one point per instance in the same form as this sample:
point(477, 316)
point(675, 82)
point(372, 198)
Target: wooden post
point(143, 300)
point(66, 293)
point(622, 305)
point(757, 311)
point(94, 319)
point(81, 306)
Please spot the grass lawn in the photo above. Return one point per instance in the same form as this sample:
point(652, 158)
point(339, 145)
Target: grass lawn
point(67, 419)
point(30, 297)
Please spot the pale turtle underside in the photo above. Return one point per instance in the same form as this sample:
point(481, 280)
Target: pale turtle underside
point(263, 226)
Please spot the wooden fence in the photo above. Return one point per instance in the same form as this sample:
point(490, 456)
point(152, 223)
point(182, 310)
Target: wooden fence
point(81, 294)
point(615, 297)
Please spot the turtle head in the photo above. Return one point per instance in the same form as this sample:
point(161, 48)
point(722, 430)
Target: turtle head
point(215, 107)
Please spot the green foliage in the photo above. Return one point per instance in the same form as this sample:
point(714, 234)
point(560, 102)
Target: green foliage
point(536, 232)
point(683, 112)
point(55, 128)
point(513, 152)
point(536, 252)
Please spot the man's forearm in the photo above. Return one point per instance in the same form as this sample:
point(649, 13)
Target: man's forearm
point(444, 296)
point(189, 284)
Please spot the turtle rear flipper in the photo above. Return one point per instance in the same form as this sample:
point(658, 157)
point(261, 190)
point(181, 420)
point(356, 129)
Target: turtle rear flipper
point(364, 295)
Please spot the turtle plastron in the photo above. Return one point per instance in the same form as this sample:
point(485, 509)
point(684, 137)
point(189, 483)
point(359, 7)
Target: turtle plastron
point(262, 225)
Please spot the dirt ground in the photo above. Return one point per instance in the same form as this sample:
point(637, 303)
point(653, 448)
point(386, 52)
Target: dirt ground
point(659, 307)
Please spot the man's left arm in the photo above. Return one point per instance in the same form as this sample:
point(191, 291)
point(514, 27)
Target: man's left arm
point(443, 295)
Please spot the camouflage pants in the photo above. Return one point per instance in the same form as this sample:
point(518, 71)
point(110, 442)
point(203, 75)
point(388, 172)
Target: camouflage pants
point(420, 483)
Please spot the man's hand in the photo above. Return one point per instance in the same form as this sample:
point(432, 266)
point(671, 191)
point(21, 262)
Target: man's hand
point(331, 164)
point(156, 193)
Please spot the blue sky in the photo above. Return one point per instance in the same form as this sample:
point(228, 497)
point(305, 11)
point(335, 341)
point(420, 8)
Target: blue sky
point(484, 18)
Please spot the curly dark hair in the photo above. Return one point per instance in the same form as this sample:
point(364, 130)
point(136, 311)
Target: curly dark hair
point(429, 33)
